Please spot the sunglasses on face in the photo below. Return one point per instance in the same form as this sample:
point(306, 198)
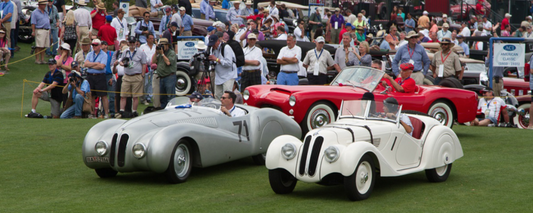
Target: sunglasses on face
point(224, 98)
point(94, 45)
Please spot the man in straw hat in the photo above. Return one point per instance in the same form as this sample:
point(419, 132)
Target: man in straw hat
point(414, 54)
point(84, 20)
point(251, 71)
point(234, 15)
point(446, 63)
point(166, 62)
point(40, 26)
point(84, 51)
point(248, 10)
point(98, 18)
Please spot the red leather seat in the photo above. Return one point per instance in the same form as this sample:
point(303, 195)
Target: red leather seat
point(418, 127)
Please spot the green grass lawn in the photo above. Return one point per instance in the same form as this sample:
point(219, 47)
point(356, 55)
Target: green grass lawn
point(41, 170)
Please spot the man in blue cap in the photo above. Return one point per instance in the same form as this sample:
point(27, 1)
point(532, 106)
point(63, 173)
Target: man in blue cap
point(210, 31)
point(225, 67)
point(170, 34)
point(108, 33)
point(195, 97)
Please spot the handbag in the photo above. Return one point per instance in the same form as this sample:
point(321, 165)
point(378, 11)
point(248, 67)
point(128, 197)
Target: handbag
point(87, 104)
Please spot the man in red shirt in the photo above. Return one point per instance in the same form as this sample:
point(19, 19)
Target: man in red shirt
point(108, 33)
point(505, 21)
point(98, 18)
point(480, 10)
point(404, 83)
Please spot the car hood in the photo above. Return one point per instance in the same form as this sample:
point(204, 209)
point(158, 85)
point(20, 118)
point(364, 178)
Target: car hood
point(166, 117)
point(297, 89)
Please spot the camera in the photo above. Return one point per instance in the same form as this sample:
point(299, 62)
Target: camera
point(159, 47)
point(126, 62)
point(200, 62)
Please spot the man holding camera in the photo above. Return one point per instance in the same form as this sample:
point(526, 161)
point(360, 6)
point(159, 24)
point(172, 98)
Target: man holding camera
point(96, 62)
point(166, 70)
point(225, 67)
point(134, 62)
point(78, 88)
point(144, 28)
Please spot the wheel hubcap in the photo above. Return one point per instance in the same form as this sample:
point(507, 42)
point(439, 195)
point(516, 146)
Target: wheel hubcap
point(441, 170)
point(363, 176)
point(181, 160)
point(441, 115)
point(320, 118)
point(181, 84)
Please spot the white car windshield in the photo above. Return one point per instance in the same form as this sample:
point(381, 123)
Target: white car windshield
point(362, 77)
point(185, 102)
point(365, 109)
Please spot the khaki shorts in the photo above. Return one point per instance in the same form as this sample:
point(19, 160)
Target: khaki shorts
point(94, 32)
point(42, 38)
point(84, 32)
point(56, 111)
point(132, 86)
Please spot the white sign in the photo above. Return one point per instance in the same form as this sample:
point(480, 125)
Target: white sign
point(186, 49)
point(126, 7)
point(509, 55)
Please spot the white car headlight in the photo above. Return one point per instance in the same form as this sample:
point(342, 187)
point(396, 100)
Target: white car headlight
point(101, 148)
point(288, 151)
point(331, 154)
point(139, 150)
point(245, 95)
point(292, 100)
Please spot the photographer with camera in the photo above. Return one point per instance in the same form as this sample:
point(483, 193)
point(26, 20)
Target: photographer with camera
point(78, 88)
point(225, 66)
point(144, 27)
point(166, 70)
point(134, 62)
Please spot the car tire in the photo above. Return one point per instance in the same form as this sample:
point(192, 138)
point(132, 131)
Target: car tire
point(360, 184)
point(520, 120)
point(281, 181)
point(429, 80)
point(451, 82)
point(259, 159)
point(106, 172)
point(442, 112)
point(184, 83)
point(439, 174)
point(180, 164)
point(319, 114)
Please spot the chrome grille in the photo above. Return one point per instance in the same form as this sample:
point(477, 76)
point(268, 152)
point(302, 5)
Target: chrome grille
point(311, 151)
point(121, 155)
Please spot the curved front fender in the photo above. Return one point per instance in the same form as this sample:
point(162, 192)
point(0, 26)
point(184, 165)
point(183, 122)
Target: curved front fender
point(274, 158)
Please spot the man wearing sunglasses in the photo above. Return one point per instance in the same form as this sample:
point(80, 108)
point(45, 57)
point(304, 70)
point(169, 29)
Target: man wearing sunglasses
point(144, 27)
point(96, 62)
point(446, 63)
point(228, 105)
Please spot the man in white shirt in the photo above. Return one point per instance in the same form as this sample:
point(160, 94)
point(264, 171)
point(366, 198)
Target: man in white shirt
point(289, 58)
point(282, 35)
point(228, 105)
point(176, 17)
point(273, 10)
point(299, 31)
point(121, 25)
point(464, 30)
point(149, 49)
point(491, 106)
point(444, 33)
point(251, 71)
point(84, 20)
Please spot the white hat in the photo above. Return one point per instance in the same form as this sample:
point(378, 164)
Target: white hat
point(236, 2)
point(252, 35)
point(446, 25)
point(508, 15)
point(65, 46)
point(82, 2)
point(444, 16)
point(200, 45)
point(96, 41)
point(249, 2)
point(528, 17)
point(182, 8)
point(425, 12)
point(320, 39)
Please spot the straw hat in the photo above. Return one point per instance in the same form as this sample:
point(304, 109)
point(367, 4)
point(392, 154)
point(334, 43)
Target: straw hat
point(101, 6)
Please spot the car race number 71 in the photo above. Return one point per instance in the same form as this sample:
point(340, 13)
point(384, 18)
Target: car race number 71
point(240, 124)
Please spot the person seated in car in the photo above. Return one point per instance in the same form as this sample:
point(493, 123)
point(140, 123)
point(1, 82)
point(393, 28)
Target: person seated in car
point(390, 107)
point(491, 106)
point(404, 83)
point(195, 97)
point(228, 105)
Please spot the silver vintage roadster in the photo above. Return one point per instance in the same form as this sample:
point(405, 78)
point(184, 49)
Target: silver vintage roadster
point(173, 140)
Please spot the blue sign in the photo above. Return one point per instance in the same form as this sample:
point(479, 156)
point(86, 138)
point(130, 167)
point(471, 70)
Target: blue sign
point(509, 47)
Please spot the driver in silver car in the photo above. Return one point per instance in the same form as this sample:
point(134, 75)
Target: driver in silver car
point(228, 105)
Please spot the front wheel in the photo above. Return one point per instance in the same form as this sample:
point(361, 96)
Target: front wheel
point(439, 174)
point(317, 116)
point(360, 184)
point(180, 164)
point(522, 119)
point(443, 113)
point(106, 172)
point(281, 181)
point(184, 83)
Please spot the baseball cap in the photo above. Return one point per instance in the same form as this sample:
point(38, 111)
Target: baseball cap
point(108, 18)
point(174, 24)
point(212, 40)
point(52, 61)
point(196, 95)
point(96, 41)
point(131, 39)
point(182, 8)
point(211, 28)
point(425, 12)
point(320, 39)
point(407, 66)
point(446, 25)
point(163, 41)
point(74, 73)
point(104, 43)
point(444, 16)
point(252, 36)
point(168, 9)
point(74, 64)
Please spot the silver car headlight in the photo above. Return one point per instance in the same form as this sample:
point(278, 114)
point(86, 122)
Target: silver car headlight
point(288, 151)
point(139, 150)
point(245, 95)
point(101, 148)
point(332, 154)
point(292, 100)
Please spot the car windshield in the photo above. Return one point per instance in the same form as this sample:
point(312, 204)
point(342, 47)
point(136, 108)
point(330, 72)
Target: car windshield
point(184, 102)
point(370, 110)
point(475, 67)
point(362, 77)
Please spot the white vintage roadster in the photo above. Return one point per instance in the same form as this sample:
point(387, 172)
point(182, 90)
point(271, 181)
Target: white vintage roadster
point(360, 146)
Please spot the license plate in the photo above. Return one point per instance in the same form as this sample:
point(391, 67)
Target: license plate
point(97, 159)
